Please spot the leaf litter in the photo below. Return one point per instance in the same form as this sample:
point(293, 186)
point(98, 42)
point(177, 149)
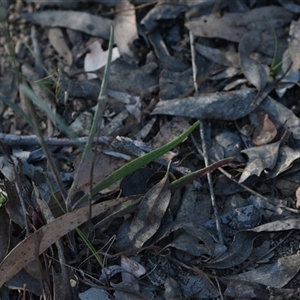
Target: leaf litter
point(158, 235)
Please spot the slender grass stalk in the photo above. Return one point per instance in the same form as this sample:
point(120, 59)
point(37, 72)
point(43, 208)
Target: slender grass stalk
point(97, 118)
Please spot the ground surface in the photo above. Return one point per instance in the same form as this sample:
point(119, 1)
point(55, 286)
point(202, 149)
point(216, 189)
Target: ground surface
point(234, 65)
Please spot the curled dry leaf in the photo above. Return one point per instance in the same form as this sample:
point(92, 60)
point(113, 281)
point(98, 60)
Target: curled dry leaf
point(287, 156)
point(96, 58)
point(162, 11)
point(242, 244)
point(133, 268)
point(260, 158)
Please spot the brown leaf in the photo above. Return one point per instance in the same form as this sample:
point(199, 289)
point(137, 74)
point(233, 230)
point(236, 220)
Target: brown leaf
point(125, 22)
point(57, 40)
point(104, 165)
point(38, 242)
point(169, 131)
point(265, 130)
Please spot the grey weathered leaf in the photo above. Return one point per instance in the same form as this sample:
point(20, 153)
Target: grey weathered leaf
point(242, 244)
point(226, 58)
point(294, 43)
point(239, 218)
point(290, 5)
point(162, 11)
point(151, 210)
point(275, 275)
point(290, 73)
point(260, 158)
point(286, 157)
point(239, 250)
point(211, 26)
point(255, 72)
point(249, 290)
point(222, 106)
point(81, 21)
point(262, 18)
point(200, 285)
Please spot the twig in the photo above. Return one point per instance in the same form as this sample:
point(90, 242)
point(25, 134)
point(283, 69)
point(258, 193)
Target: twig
point(33, 140)
point(219, 288)
point(211, 190)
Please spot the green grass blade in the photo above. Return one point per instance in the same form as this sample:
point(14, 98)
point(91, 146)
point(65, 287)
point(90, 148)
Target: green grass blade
point(54, 117)
point(97, 117)
point(139, 162)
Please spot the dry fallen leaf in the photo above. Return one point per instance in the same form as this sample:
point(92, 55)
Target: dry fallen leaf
point(150, 212)
point(103, 164)
point(169, 131)
point(125, 22)
point(81, 21)
point(211, 26)
point(96, 58)
point(298, 198)
point(294, 43)
point(35, 244)
point(255, 72)
point(265, 130)
point(57, 40)
point(260, 158)
point(224, 105)
point(275, 275)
